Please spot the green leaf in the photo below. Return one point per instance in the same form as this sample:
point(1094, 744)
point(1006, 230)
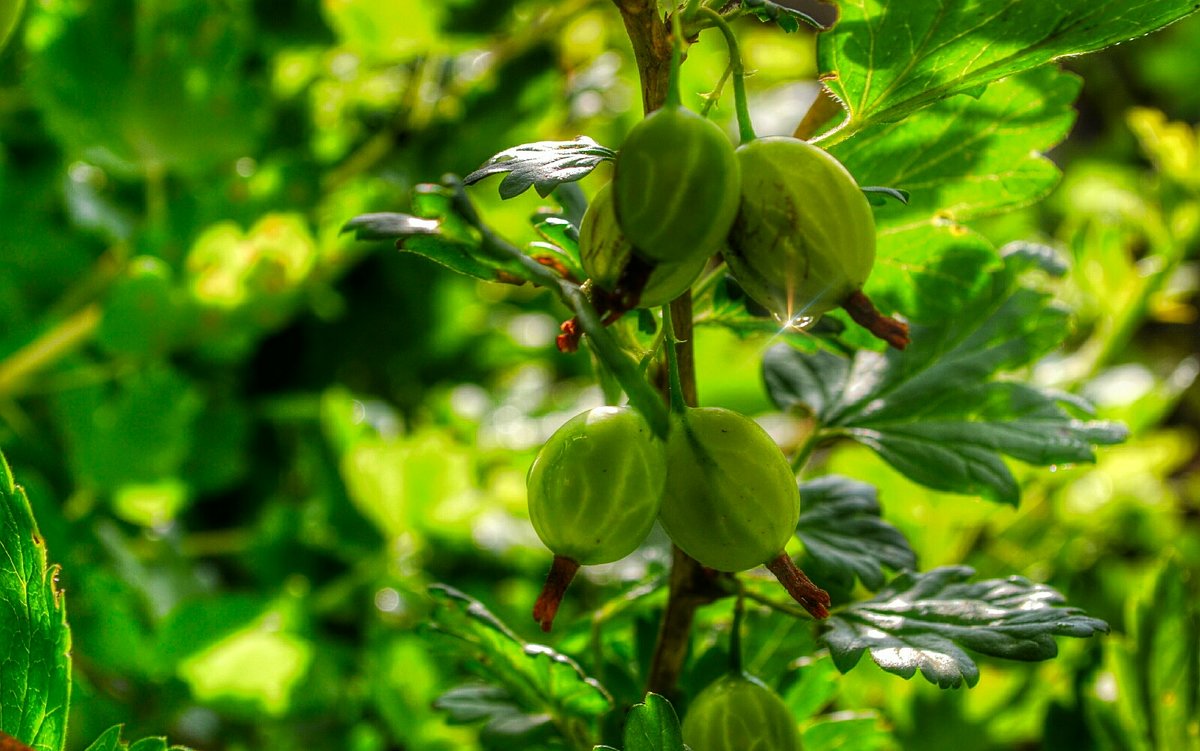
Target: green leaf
point(959, 160)
point(140, 89)
point(137, 432)
point(877, 195)
point(500, 709)
point(844, 536)
point(969, 157)
point(531, 684)
point(35, 664)
point(387, 226)
point(788, 19)
point(10, 15)
point(926, 621)
point(1147, 693)
point(937, 411)
point(653, 726)
point(110, 740)
point(888, 58)
point(438, 233)
point(543, 165)
point(858, 731)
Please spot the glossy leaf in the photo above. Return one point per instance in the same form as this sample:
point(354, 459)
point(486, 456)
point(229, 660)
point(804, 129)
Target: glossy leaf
point(959, 160)
point(789, 19)
point(438, 233)
point(844, 537)
point(35, 666)
point(528, 684)
point(927, 621)
point(543, 165)
point(652, 726)
point(889, 58)
point(110, 740)
point(938, 412)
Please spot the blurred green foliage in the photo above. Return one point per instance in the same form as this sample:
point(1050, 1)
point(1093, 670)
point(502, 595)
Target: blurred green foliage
point(252, 443)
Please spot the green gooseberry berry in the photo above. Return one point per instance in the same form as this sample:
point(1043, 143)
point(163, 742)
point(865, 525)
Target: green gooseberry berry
point(803, 242)
point(739, 713)
point(804, 237)
point(675, 186)
point(606, 253)
point(594, 491)
point(731, 500)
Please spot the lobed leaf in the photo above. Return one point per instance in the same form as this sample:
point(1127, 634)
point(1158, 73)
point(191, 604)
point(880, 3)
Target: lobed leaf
point(959, 160)
point(845, 538)
point(927, 621)
point(937, 411)
point(543, 165)
point(35, 664)
point(438, 233)
point(787, 18)
point(529, 685)
point(889, 58)
point(110, 740)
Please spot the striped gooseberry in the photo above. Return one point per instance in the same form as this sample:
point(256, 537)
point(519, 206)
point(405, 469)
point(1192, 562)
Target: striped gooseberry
point(675, 186)
point(594, 491)
point(606, 255)
point(803, 242)
point(739, 713)
point(731, 500)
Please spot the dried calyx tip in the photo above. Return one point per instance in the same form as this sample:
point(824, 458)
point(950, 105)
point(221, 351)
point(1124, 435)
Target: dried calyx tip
point(562, 571)
point(814, 599)
point(863, 311)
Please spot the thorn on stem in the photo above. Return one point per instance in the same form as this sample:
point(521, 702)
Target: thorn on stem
point(814, 599)
point(562, 571)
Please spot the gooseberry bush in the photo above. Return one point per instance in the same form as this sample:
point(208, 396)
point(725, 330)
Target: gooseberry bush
point(845, 250)
point(873, 192)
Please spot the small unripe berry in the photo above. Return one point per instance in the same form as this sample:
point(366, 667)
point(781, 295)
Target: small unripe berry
point(675, 186)
point(739, 713)
point(594, 491)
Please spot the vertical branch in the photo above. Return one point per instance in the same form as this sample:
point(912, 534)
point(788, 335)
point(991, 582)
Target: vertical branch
point(690, 584)
point(651, 48)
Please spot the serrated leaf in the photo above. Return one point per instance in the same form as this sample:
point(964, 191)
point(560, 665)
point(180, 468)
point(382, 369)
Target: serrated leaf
point(1150, 697)
point(965, 158)
point(110, 740)
point(937, 411)
point(788, 19)
point(959, 160)
point(653, 726)
point(888, 58)
point(878, 195)
point(435, 231)
point(927, 621)
point(543, 165)
point(844, 536)
point(35, 665)
point(540, 683)
point(390, 226)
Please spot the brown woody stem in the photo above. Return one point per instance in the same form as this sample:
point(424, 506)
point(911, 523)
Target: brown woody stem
point(562, 571)
point(690, 584)
point(863, 311)
point(814, 599)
